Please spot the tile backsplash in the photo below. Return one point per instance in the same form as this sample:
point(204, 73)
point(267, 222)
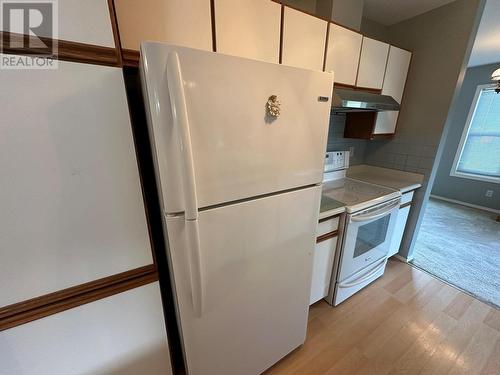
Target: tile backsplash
point(337, 142)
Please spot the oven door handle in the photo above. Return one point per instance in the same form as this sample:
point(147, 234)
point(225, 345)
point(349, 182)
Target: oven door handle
point(380, 264)
point(377, 214)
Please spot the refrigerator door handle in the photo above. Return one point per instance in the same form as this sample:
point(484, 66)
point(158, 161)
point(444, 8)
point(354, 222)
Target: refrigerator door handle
point(181, 120)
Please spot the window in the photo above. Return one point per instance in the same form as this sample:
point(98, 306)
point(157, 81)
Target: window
point(478, 154)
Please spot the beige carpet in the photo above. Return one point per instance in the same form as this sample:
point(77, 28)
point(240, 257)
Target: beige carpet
point(461, 245)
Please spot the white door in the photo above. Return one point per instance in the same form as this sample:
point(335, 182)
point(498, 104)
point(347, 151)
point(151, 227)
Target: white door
point(304, 38)
point(248, 28)
point(372, 63)
point(238, 150)
point(256, 265)
point(181, 22)
point(398, 64)
point(399, 230)
point(342, 57)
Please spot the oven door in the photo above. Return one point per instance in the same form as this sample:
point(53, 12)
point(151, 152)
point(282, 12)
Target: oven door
point(367, 237)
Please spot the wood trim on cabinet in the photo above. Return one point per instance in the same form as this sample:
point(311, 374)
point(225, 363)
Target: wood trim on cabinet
point(282, 26)
point(328, 218)
point(352, 87)
point(66, 50)
point(405, 205)
point(130, 57)
point(212, 22)
point(116, 32)
point(49, 304)
point(326, 45)
point(327, 236)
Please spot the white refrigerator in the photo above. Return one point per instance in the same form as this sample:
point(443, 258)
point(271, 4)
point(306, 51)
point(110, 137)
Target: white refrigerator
point(240, 188)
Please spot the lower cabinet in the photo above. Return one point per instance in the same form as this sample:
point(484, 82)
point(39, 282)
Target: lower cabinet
point(324, 255)
point(121, 334)
point(399, 229)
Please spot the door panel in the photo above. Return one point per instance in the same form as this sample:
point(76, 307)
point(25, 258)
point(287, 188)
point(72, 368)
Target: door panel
point(257, 262)
point(248, 28)
point(344, 47)
point(238, 150)
point(324, 255)
point(72, 206)
point(304, 38)
point(372, 63)
point(180, 22)
point(122, 334)
point(399, 230)
point(79, 21)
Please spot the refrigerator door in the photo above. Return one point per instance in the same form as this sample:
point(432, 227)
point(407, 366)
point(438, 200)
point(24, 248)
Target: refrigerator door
point(256, 258)
point(238, 150)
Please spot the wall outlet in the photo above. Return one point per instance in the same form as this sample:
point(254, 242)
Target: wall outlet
point(351, 152)
point(489, 193)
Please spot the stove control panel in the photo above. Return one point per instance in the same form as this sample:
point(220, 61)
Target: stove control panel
point(336, 160)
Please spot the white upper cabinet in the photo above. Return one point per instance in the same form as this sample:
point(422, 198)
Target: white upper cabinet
point(85, 21)
point(372, 63)
point(304, 38)
point(344, 47)
point(248, 28)
point(182, 22)
point(396, 72)
point(72, 206)
point(394, 85)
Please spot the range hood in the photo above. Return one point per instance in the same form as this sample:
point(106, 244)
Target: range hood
point(346, 100)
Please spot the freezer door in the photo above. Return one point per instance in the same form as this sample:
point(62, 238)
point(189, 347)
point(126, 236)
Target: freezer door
point(238, 150)
point(256, 265)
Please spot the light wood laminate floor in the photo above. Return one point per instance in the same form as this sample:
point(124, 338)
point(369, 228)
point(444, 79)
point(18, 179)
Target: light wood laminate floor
point(406, 322)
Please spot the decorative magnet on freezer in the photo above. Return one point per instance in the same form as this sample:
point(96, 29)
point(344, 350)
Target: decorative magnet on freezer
point(273, 106)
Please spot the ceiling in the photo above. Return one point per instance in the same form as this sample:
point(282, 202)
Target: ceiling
point(389, 12)
point(486, 48)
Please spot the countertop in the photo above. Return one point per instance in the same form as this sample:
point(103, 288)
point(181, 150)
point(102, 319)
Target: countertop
point(392, 178)
point(330, 207)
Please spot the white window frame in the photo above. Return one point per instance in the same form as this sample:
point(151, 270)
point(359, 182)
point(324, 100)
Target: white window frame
point(458, 154)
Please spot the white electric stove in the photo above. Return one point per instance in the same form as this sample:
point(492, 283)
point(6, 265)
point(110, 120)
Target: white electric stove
point(368, 228)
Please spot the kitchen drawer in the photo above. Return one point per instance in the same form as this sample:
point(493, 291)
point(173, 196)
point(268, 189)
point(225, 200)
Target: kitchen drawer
point(407, 198)
point(324, 255)
point(327, 225)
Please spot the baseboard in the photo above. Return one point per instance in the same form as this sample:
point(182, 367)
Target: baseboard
point(402, 259)
point(466, 204)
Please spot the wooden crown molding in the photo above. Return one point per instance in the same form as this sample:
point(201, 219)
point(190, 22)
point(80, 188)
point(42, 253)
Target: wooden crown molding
point(49, 304)
point(66, 50)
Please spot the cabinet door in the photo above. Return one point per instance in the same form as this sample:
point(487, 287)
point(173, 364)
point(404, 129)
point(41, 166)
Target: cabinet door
point(399, 230)
point(122, 334)
point(344, 47)
point(304, 38)
point(324, 254)
point(80, 21)
point(248, 28)
point(398, 63)
point(372, 63)
point(72, 206)
point(181, 22)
